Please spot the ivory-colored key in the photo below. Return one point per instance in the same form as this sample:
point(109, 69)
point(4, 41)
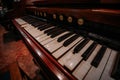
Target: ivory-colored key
point(76, 58)
point(67, 56)
point(28, 27)
point(95, 73)
point(34, 32)
point(41, 35)
point(106, 75)
point(51, 39)
point(84, 66)
point(54, 45)
point(20, 21)
point(58, 53)
point(43, 39)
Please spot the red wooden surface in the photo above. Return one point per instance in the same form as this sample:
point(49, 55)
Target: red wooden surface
point(106, 16)
point(76, 1)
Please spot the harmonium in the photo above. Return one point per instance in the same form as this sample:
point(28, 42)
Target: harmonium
point(73, 40)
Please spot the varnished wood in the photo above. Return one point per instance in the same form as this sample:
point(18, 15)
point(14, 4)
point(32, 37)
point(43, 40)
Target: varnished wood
point(110, 17)
point(47, 2)
point(15, 72)
point(75, 1)
point(111, 4)
point(105, 16)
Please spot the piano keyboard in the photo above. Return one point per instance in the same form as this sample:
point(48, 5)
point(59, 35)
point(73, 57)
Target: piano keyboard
point(84, 58)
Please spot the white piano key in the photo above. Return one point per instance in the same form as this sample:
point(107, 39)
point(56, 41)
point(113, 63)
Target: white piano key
point(34, 32)
point(76, 58)
point(67, 56)
point(84, 66)
point(108, 69)
point(46, 38)
point(51, 39)
point(63, 49)
point(41, 37)
point(42, 34)
point(95, 73)
point(30, 28)
point(26, 25)
point(53, 45)
point(20, 21)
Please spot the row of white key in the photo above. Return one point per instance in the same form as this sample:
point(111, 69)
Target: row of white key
point(54, 45)
point(84, 66)
point(20, 21)
point(84, 70)
point(49, 39)
point(100, 71)
point(70, 60)
point(63, 49)
point(63, 60)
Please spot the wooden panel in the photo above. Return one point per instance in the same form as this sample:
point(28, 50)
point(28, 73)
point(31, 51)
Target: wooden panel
point(105, 16)
point(75, 1)
point(111, 4)
point(30, 2)
point(66, 1)
point(111, 1)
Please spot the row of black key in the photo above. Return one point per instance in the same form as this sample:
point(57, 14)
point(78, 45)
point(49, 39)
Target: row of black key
point(55, 31)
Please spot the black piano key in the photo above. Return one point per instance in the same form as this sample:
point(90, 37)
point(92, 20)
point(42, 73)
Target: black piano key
point(64, 36)
point(70, 40)
point(80, 46)
point(32, 21)
point(57, 33)
point(116, 69)
point(44, 27)
point(98, 57)
point(89, 51)
point(38, 27)
point(25, 17)
point(38, 24)
point(29, 18)
point(48, 30)
point(53, 31)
